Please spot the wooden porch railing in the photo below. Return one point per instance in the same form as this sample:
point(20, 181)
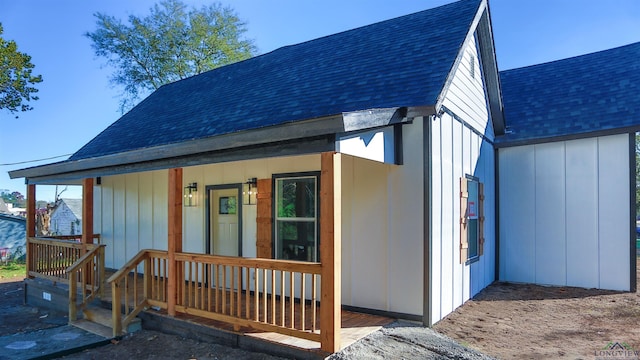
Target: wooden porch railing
point(88, 273)
point(49, 258)
point(128, 299)
point(78, 237)
point(265, 294)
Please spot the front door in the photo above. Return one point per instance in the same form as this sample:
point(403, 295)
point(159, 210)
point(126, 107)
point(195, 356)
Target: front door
point(224, 233)
point(224, 224)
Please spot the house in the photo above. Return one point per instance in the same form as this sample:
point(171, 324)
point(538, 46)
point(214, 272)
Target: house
point(12, 232)
point(12, 235)
point(66, 218)
point(16, 211)
point(359, 143)
point(358, 171)
point(567, 171)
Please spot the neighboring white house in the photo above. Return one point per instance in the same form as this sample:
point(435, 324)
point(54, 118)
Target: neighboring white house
point(16, 211)
point(66, 218)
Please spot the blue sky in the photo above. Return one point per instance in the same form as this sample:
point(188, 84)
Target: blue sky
point(77, 101)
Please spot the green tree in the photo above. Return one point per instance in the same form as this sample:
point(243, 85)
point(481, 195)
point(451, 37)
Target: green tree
point(16, 78)
point(169, 44)
point(14, 197)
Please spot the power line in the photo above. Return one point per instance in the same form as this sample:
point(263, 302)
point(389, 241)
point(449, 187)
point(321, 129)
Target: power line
point(30, 161)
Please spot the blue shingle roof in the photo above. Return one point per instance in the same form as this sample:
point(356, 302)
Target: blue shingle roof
point(394, 63)
point(589, 93)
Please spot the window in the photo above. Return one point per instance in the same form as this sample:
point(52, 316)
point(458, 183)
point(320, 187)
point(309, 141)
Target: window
point(472, 66)
point(296, 218)
point(472, 218)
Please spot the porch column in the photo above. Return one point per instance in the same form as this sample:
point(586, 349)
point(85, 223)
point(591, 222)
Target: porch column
point(175, 237)
point(87, 211)
point(330, 251)
point(31, 222)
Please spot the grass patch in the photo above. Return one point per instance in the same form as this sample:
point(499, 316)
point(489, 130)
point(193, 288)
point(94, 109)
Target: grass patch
point(12, 270)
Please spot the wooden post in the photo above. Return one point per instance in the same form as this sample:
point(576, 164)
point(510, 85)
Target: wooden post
point(87, 225)
point(116, 304)
point(31, 223)
point(73, 283)
point(175, 237)
point(330, 251)
point(87, 211)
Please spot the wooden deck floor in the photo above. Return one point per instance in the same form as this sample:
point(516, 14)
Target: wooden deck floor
point(355, 326)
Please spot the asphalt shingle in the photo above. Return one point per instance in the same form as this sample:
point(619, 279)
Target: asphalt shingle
point(399, 62)
point(579, 95)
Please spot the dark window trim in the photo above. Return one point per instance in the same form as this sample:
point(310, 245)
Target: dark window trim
point(476, 257)
point(472, 260)
point(274, 178)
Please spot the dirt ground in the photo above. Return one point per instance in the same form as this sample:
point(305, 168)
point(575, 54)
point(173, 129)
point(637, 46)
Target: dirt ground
point(506, 321)
point(515, 321)
point(15, 317)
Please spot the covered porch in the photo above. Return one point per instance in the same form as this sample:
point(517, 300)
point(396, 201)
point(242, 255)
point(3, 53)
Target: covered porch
point(204, 308)
point(286, 301)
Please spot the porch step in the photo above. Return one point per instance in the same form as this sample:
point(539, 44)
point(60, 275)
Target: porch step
point(102, 317)
point(94, 328)
point(98, 315)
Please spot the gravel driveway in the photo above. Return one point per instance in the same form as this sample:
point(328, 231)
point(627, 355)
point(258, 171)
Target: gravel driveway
point(404, 340)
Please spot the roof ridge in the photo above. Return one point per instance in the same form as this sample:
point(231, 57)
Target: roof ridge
point(399, 62)
point(328, 36)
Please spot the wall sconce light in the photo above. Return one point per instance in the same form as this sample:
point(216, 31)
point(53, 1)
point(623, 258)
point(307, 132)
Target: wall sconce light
point(250, 192)
point(190, 194)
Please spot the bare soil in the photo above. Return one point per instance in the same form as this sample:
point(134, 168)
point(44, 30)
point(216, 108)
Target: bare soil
point(15, 317)
point(506, 321)
point(518, 321)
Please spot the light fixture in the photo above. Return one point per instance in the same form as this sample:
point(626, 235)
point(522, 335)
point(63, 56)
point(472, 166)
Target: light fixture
point(190, 194)
point(250, 192)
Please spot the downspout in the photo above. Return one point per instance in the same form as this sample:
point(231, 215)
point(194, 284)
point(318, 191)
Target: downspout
point(427, 241)
point(496, 211)
point(632, 210)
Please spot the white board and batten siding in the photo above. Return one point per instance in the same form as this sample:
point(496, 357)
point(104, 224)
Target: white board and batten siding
point(459, 149)
point(131, 210)
point(382, 229)
point(130, 214)
point(235, 173)
point(564, 213)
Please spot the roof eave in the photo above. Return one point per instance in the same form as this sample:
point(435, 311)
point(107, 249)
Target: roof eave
point(491, 74)
point(482, 23)
point(73, 170)
point(505, 141)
